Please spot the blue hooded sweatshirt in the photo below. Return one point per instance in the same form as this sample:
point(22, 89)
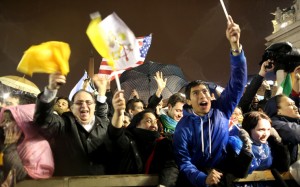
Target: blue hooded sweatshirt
point(200, 141)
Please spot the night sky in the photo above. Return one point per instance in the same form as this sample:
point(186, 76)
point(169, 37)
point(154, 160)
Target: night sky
point(188, 33)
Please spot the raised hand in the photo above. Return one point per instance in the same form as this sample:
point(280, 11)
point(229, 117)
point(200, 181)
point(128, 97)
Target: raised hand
point(119, 104)
point(101, 82)
point(161, 82)
point(233, 33)
point(56, 80)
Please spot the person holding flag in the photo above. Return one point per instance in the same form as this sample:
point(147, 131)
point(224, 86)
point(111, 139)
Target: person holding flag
point(201, 137)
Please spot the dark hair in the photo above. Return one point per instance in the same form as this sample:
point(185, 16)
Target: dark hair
point(272, 105)
point(192, 85)
point(82, 90)
point(24, 97)
point(138, 118)
point(261, 104)
point(278, 99)
point(251, 119)
point(130, 103)
point(175, 98)
point(66, 99)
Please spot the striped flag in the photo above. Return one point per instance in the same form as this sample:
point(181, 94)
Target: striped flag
point(83, 83)
point(286, 86)
point(143, 43)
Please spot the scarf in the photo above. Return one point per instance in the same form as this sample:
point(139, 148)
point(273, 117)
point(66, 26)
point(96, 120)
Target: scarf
point(169, 123)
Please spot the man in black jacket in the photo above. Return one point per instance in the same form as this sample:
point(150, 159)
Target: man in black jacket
point(77, 136)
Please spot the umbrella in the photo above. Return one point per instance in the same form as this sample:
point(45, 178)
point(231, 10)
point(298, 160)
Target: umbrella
point(142, 79)
point(19, 83)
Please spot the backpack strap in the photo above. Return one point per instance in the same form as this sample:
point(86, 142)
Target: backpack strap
point(150, 158)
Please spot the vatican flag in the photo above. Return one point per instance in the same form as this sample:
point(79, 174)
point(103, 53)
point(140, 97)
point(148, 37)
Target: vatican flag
point(48, 57)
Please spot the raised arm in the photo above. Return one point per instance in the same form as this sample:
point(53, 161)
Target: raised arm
point(101, 105)
point(157, 97)
point(119, 105)
point(238, 75)
point(43, 115)
point(254, 85)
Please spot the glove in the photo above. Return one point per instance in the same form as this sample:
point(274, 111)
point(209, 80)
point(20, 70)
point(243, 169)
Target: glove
point(247, 143)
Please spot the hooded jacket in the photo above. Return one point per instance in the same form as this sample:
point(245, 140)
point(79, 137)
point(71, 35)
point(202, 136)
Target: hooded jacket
point(200, 141)
point(34, 150)
point(288, 128)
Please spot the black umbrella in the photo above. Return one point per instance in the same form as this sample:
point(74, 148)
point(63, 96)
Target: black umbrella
point(142, 79)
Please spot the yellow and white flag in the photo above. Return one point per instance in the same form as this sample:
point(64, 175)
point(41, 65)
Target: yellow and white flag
point(48, 57)
point(113, 40)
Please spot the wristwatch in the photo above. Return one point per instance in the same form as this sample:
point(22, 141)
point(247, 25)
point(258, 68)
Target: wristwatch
point(239, 50)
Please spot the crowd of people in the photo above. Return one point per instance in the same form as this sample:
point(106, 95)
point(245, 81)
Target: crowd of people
point(194, 139)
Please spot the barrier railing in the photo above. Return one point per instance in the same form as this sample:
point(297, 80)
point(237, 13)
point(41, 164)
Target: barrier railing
point(128, 180)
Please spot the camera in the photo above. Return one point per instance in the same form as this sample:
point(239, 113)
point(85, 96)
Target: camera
point(276, 52)
point(269, 66)
point(282, 55)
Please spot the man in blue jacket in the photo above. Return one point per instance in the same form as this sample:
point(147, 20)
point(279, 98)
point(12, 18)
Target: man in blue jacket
point(201, 136)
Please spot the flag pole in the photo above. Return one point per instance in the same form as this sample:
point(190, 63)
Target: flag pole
point(91, 65)
point(226, 15)
point(117, 81)
point(119, 89)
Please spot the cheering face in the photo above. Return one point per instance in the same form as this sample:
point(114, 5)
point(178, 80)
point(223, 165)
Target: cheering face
point(261, 132)
point(288, 108)
point(149, 122)
point(83, 107)
point(61, 106)
point(175, 112)
point(200, 100)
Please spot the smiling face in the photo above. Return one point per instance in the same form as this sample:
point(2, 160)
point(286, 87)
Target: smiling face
point(200, 99)
point(288, 108)
point(176, 112)
point(149, 122)
point(261, 132)
point(83, 107)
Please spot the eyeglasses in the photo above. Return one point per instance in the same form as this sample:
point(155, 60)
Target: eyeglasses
point(87, 102)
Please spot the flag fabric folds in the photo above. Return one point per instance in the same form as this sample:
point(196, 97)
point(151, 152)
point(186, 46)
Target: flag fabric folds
point(112, 39)
point(48, 57)
point(143, 44)
point(83, 83)
point(286, 85)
